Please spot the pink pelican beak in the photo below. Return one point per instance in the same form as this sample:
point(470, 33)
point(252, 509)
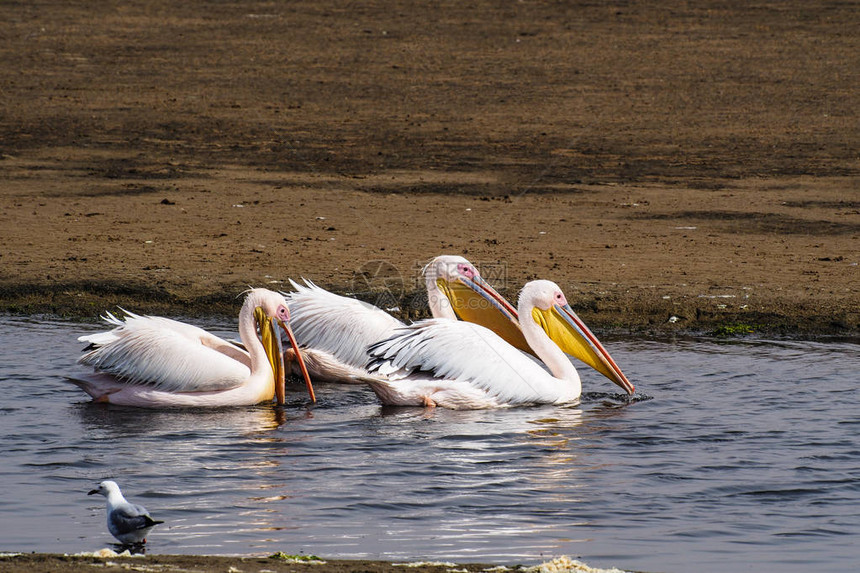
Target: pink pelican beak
point(301, 362)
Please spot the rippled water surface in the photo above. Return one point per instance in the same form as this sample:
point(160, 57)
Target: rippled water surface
point(745, 457)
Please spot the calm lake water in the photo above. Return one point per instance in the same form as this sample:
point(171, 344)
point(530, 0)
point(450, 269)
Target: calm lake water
point(737, 455)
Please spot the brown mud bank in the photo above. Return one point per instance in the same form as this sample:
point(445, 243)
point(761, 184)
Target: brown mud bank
point(633, 258)
point(51, 563)
point(278, 563)
point(620, 313)
point(672, 167)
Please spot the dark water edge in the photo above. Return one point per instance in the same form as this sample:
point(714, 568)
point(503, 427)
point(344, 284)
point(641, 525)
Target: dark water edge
point(86, 301)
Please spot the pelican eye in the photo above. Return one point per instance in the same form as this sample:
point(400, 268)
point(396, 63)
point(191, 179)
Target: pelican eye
point(283, 313)
point(466, 270)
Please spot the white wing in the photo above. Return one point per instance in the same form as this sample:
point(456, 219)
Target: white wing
point(343, 327)
point(165, 354)
point(461, 353)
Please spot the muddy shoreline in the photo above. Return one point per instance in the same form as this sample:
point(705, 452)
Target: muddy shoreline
point(674, 169)
point(276, 563)
point(86, 302)
point(49, 563)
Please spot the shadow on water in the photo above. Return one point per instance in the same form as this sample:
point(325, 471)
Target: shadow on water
point(113, 422)
point(133, 549)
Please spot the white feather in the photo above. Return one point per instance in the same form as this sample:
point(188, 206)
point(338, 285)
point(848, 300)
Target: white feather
point(463, 357)
point(343, 327)
point(464, 365)
point(164, 354)
point(156, 362)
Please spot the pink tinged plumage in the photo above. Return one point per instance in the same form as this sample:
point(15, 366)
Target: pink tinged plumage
point(460, 365)
point(158, 362)
point(335, 331)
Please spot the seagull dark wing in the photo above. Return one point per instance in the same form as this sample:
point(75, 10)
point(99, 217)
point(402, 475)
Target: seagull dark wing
point(129, 518)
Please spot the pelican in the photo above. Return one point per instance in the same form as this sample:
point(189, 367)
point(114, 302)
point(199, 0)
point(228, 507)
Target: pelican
point(155, 362)
point(335, 331)
point(454, 299)
point(461, 365)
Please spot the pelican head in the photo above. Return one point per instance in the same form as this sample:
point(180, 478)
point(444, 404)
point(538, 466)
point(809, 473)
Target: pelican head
point(456, 289)
point(270, 311)
point(550, 310)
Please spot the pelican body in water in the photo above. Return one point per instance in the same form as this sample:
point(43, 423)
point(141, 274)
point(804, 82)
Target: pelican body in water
point(156, 362)
point(335, 331)
point(488, 308)
point(461, 365)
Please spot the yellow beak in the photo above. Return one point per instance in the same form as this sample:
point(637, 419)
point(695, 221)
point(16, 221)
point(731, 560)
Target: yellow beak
point(274, 351)
point(567, 330)
point(476, 301)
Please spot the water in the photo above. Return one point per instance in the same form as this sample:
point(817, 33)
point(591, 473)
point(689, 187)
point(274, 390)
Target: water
point(746, 457)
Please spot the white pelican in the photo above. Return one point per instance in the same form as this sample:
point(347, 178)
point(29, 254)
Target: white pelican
point(460, 365)
point(335, 331)
point(458, 299)
point(154, 362)
point(128, 522)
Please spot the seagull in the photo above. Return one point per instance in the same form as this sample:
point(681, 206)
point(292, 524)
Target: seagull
point(128, 522)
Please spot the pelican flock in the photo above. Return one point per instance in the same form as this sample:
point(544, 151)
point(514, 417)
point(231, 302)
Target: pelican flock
point(156, 362)
point(477, 351)
point(461, 365)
